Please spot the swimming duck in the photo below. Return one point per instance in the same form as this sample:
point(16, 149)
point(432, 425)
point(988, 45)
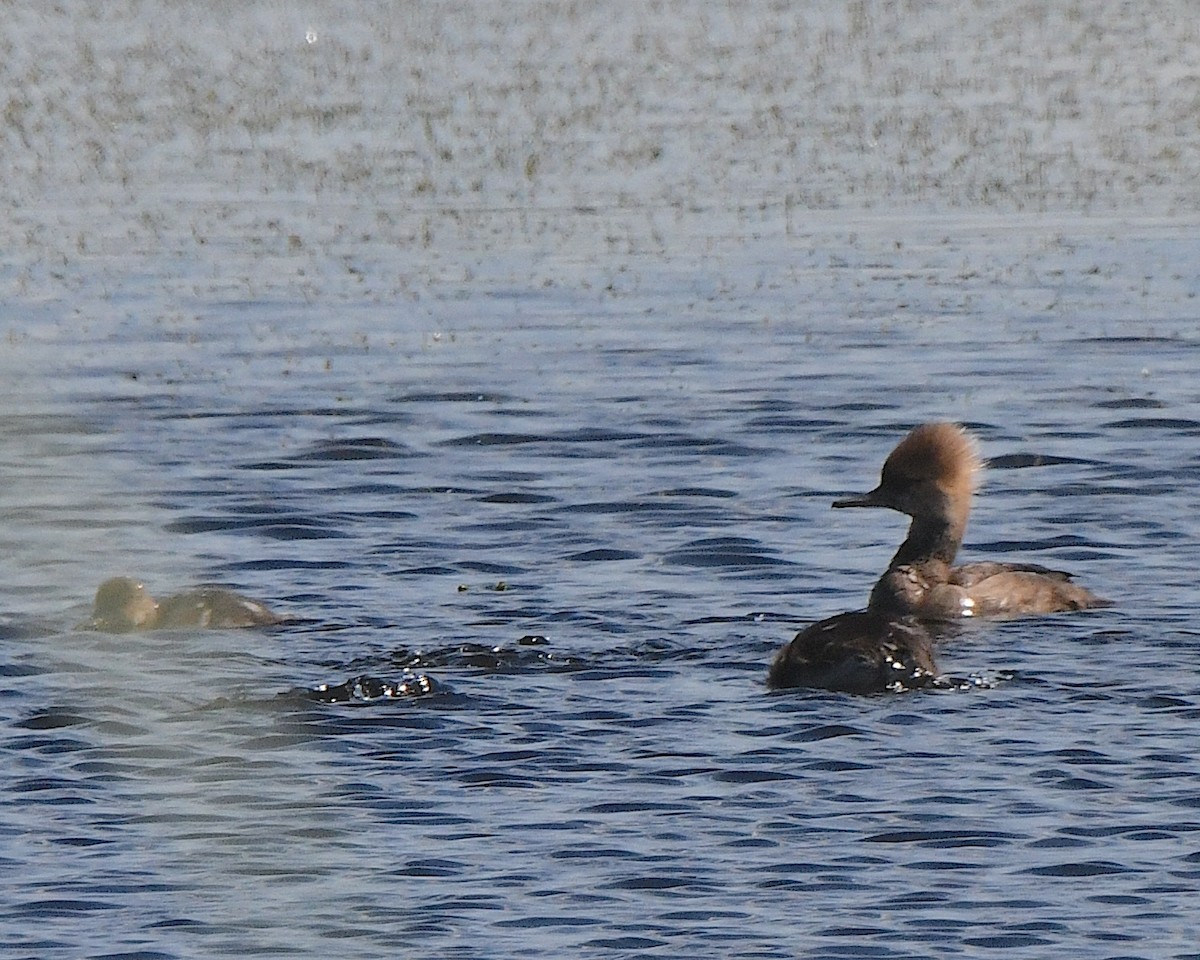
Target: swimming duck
point(865, 651)
point(931, 477)
point(123, 606)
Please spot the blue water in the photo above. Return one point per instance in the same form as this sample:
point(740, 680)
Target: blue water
point(542, 544)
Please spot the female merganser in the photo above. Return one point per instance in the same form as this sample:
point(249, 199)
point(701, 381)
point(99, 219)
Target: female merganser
point(123, 605)
point(931, 476)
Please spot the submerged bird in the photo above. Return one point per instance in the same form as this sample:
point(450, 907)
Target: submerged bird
point(867, 651)
point(931, 476)
point(123, 606)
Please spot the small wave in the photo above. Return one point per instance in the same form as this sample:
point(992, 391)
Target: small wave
point(368, 689)
point(529, 653)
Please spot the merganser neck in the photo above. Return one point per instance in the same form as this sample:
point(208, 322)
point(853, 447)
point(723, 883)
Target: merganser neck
point(930, 538)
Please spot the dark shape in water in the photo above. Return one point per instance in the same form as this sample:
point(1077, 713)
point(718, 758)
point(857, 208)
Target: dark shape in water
point(364, 689)
point(491, 659)
point(861, 652)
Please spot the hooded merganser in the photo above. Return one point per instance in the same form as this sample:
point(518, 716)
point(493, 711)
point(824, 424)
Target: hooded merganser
point(931, 476)
point(867, 651)
point(123, 605)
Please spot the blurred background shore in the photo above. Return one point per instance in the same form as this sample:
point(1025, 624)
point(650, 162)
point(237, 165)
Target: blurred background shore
point(370, 150)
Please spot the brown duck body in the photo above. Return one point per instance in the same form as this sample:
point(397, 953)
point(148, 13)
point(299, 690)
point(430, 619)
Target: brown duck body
point(931, 477)
point(861, 652)
point(934, 591)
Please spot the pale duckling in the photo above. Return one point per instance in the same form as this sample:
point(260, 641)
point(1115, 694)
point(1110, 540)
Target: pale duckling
point(123, 606)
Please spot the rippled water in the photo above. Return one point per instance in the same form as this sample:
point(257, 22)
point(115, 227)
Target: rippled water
point(519, 358)
point(542, 556)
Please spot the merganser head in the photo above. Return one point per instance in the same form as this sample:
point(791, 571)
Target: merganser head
point(931, 474)
point(122, 605)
